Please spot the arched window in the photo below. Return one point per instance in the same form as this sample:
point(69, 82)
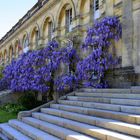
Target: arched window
point(35, 38)
point(68, 19)
point(18, 48)
point(25, 42)
point(48, 27)
point(5, 57)
point(50, 30)
point(65, 19)
point(11, 53)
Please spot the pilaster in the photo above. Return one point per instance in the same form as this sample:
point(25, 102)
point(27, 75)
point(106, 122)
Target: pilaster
point(127, 33)
point(109, 7)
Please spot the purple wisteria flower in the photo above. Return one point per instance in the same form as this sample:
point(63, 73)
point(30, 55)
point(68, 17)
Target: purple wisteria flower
point(91, 70)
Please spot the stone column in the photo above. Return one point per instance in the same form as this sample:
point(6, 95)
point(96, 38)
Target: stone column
point(127, 34)
point(136, 37)
point(109, 7)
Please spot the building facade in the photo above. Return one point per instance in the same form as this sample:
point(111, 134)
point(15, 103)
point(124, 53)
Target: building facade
point(69, 19)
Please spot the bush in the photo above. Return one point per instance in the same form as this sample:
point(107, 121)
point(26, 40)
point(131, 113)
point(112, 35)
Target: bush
point(12, 108)
point(29, 100)
point(3, 84)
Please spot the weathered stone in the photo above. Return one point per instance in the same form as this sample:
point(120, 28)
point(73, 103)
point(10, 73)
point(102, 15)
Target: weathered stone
point(127, 34)
point(70, 118)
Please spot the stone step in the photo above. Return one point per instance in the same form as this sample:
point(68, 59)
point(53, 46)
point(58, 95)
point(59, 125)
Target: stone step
point(111, 107)
point(90, 130)
point(114, 125)
point(30, 131)
point(12, 133)
point(114, 90)
point(126, 117)
point(135, 89)
point(58, 131)
point(117, 101)
point(91, 105)
point(109, 90)
point(108, 95)
point(3, 137)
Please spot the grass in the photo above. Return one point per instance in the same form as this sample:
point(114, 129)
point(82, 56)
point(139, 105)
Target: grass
point(5, 116)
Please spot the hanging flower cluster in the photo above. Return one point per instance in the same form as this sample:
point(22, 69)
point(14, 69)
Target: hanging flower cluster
point(92, 69)
point(70, 58)
point(32, 71)
point(66, 82)
point(7, 76)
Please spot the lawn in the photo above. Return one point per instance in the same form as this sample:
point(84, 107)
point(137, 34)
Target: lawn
point(5, 116)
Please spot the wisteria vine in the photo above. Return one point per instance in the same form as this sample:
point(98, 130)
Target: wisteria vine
point(38, 70)
point(91, 70)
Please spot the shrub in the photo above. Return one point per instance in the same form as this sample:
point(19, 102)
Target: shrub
point(12, 108)
point(4, 84)
point(29, 100)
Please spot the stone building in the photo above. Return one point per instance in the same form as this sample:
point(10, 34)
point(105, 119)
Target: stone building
point(69, 19)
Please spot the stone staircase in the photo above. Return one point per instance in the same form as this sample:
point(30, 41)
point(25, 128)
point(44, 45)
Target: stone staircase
point(86, 114)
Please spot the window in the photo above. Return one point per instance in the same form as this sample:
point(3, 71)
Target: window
point(96, 5)
point(36, 38)
point(50, 30)
point(11, 54)
point(96, 9)
point(68, 19)
point(99, 8)
point(25, 45)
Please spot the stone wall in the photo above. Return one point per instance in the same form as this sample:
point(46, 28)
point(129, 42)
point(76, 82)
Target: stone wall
point(128, 49)
point(8, 97)
point(83, 15)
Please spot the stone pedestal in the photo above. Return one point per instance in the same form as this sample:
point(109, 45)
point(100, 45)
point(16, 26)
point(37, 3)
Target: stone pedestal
point(121, 77)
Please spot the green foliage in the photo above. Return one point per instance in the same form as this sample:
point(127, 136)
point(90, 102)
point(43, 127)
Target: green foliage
point(29, 100)
point(12, 108)
point(5, 116)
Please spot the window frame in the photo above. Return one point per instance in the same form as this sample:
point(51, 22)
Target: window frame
point(97, 9)
point(68, 19)
point(50, 30)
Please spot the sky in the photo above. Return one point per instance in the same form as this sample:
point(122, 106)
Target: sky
point(11, 11)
